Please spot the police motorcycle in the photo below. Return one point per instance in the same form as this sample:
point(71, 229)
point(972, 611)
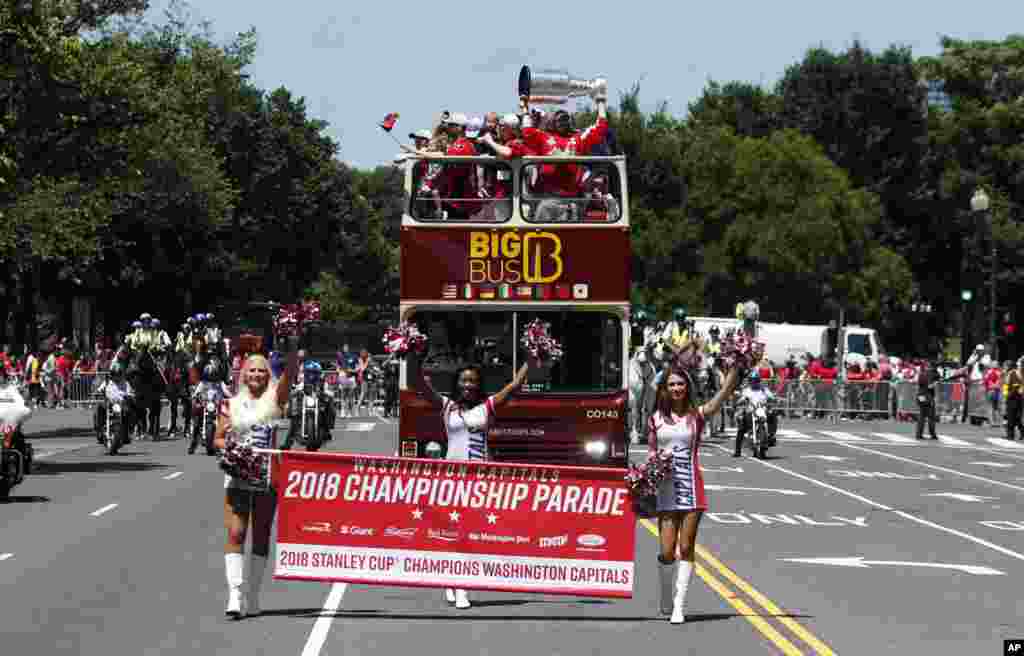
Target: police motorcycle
point(117, 414)
point(758, 421)
point(312, 410)
point(206, 398)
point(15, 453)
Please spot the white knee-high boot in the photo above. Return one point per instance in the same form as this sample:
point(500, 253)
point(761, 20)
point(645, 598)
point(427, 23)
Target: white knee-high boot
point(234, 569)
point(461, 599)
point(449, 595)
point(682, 583)
point(257, 567)
point(666, 578)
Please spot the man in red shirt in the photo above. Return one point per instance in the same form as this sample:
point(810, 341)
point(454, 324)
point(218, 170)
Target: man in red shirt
point(561, 180)
point(454, 186)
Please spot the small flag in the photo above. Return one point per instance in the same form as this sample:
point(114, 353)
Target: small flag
point(468, 291)
point(524, 291)
point(487, 291)
point(504, 290)
point(542, 292)
point(580, 291)
point(449, 291)
point(563, 291)
point(389, 121)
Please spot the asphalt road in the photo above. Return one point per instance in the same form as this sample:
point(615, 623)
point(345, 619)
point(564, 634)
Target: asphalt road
point(937, 527)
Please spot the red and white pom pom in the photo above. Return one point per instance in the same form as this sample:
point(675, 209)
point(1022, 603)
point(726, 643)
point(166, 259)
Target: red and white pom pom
point(738, 351)
point(407, 337)
point(539, 343)
point(290, 318)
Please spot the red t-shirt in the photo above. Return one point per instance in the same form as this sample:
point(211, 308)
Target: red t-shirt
point(563, 179)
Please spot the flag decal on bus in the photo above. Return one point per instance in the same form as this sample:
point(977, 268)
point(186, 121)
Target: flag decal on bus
point(450, 291)
point(542, 292)
point(524, 291)
point(486, 291)
point(580, 291)
point(563, 291)
point(505, 290)
point(468, 291)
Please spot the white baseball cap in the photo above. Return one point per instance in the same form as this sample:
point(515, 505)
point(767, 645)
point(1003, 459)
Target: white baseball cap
point(474, 125)
point(456, 119)
point(420, 134)
point(510, 120)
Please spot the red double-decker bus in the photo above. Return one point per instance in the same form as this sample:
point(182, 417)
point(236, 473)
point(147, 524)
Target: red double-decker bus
point(475, 271)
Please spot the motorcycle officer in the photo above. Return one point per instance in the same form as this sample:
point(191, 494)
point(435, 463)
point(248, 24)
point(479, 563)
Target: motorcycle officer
point(754, 393)
point(312, 373)
point(391, 387)
point(119, 390)
point(14, 412)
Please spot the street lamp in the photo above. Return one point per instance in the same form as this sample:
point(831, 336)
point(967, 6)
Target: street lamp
point(980, 205)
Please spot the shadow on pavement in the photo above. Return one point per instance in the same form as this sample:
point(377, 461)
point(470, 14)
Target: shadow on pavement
point(17, 499)
point(47, 468)
point(60, 432)
point(385, 615)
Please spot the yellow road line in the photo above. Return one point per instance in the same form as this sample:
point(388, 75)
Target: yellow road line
point(817, 645)
point(766, 629)
point(748, 613)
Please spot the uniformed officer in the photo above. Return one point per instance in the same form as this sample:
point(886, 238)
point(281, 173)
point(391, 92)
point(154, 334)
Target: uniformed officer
point(926, 381)
point(1013, 392)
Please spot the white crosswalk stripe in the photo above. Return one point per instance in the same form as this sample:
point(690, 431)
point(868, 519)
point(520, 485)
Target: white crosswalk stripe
point(953, 441)
point(846, 437)
point(359, 426)
point(1004, 443)
point(893, 437)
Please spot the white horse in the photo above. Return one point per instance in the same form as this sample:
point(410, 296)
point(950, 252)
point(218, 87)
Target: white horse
point(643, 367)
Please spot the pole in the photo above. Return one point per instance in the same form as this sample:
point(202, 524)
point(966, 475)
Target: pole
point(992, 323)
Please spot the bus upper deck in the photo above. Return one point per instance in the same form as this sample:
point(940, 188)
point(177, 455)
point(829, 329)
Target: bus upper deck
point(581, 191)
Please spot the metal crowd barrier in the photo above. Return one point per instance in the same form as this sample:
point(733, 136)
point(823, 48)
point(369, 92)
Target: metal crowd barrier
point(833, 400)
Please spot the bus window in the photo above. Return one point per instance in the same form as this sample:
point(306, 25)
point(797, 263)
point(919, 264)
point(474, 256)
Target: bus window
point(592, 345)
point(574, 192)
point(457, 338)
point(461, 191)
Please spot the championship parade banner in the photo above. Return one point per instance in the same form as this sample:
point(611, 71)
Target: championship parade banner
point(453, 524)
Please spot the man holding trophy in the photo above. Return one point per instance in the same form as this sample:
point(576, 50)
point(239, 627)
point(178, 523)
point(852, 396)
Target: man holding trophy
point(561, 180)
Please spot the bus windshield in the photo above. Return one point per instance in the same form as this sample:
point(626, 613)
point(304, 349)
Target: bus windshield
point(591, 340)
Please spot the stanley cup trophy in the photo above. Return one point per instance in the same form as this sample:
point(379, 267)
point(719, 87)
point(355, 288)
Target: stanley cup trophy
point(556, 87)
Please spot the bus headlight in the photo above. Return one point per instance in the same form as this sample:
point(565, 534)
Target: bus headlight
point(432, 450)
point(596, 448)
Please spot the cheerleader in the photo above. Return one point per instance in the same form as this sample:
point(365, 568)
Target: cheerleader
point(677, 424)
point(250, 418)
point(466, 416)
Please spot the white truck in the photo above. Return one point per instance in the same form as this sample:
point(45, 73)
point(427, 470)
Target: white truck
point(783, 340)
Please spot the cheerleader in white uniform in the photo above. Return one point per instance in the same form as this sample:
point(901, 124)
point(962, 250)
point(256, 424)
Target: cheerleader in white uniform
point(466, 415)
point(677, 425)
point(250, 415)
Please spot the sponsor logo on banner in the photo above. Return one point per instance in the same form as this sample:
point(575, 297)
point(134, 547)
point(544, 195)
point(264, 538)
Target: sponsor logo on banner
point(404, 533)
point(591, 540)
point(356, 530)
point(441, 534)
point(499, 539)
point(317, 527)
point(553, 541)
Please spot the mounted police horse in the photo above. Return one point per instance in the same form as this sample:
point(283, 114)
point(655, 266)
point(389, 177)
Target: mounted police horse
point(179, 389)
point(643, 367)
point(149, 382)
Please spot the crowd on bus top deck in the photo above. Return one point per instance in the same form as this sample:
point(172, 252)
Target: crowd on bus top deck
point(467, 188)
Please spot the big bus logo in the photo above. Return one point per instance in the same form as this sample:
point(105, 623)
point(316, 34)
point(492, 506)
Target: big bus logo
point(508, 257)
